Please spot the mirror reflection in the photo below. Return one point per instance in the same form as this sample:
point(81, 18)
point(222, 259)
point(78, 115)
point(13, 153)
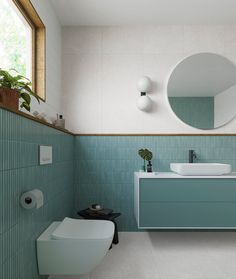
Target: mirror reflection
point(202, 90)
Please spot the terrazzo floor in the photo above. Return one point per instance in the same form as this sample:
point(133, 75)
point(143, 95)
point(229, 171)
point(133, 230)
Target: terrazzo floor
point(168, 255)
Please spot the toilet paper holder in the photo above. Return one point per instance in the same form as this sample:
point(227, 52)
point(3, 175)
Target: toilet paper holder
point(28, 200)
point(32, 199)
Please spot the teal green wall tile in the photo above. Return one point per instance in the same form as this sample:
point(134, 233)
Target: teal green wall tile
point(105, 166)
point(19, 172)
point(85, 170)
point(195, 111)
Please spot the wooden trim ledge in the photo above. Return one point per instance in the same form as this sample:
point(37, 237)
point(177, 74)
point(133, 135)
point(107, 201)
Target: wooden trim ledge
point(152, 135)
point(28, 116)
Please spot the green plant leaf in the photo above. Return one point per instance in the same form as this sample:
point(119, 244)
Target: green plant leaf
point(145, 154)
point(21, 84)
point(26, 97)
point(25, 105)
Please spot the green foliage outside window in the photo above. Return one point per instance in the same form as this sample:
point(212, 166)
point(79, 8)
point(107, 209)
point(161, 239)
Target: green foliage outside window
point(14, 40)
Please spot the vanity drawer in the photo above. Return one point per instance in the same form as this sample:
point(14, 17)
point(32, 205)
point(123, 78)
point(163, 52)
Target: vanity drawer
point(187, 214)
point(187, 190)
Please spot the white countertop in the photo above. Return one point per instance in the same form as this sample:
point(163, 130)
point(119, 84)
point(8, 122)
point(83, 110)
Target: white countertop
point(175, 175)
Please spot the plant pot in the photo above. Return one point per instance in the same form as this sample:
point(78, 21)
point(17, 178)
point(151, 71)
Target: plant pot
point(9, 98)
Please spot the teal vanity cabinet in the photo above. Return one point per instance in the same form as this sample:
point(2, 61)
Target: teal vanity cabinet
point(171, 201)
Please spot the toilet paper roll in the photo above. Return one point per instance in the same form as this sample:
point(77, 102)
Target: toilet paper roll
point(32, 199)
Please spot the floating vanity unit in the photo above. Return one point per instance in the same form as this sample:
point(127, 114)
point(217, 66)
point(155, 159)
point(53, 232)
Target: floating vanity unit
point(171, 201)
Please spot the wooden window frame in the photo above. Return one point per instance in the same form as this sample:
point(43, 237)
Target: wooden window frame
point(38, 46)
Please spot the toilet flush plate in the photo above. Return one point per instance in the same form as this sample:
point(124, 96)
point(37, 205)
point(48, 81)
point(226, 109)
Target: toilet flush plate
point(45, 155)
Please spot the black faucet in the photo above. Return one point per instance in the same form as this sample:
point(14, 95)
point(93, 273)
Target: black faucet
point(191, 156)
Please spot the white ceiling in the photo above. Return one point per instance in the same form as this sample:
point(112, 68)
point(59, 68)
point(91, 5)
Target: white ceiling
point(134, 12)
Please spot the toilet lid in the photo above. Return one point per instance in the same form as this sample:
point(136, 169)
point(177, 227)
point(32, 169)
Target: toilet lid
point(83, 229)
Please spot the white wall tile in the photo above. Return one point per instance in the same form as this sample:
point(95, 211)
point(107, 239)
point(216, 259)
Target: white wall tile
point(82, 40)
point(82, 87)
point(122, 40)
point(230, 39)
point(110, 60)
point(203, 39)
point(120, 73)
point(163, 39)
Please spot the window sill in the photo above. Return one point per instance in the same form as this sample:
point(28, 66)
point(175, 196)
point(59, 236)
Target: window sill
point(28, 116)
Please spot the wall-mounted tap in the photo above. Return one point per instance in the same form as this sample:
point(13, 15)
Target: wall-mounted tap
point(191, 156)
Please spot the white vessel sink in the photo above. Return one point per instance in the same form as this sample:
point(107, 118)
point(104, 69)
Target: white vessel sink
point(200, 168)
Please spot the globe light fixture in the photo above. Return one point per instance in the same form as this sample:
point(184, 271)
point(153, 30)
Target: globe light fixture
point(144, 102)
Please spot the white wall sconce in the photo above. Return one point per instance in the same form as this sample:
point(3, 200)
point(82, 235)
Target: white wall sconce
point(144, 85)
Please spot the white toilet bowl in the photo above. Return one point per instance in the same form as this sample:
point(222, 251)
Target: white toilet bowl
point(73, 246)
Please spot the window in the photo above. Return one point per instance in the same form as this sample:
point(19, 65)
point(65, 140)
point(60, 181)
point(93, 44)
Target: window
point(22, 42)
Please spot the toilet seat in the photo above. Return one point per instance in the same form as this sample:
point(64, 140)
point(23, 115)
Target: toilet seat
point(73, 229)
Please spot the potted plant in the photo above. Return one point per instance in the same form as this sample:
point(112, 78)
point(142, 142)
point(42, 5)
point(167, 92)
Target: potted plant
point(13, 88)
point(146, 155)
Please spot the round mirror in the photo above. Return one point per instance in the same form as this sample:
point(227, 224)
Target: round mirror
point(202, 90)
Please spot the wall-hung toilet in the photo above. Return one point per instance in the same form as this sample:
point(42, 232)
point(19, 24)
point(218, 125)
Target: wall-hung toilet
point(73, 246)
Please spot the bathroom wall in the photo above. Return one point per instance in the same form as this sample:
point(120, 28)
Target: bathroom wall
point(105, 166)
point(101, 66)
point(19, 171)
point(52, 106)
